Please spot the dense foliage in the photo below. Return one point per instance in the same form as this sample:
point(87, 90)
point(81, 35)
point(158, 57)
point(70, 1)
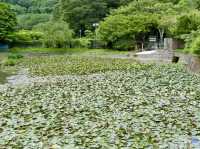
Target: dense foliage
point(7, 21)
point(27, 36)
point(122, 24)
point(28, 21)
point(137, 21)
point(32, 6)
point(55, 34)
point(129, 27)
point(141, 106)
point(32, 12)
point(81, 14)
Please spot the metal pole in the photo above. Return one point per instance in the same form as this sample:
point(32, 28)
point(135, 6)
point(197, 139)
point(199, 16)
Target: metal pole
point(80, 33)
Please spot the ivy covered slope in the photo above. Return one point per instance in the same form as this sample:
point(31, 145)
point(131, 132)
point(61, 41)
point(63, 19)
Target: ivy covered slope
point(138, 107)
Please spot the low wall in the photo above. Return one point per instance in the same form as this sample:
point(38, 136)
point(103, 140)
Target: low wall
point(157, 56)
point(192, 62)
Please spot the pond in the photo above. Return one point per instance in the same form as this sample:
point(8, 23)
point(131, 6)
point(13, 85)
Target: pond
point(3, 77)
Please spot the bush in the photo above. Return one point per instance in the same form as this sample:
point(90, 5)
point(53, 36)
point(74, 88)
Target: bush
point(56, 34)
point(81, 43)
point(12, 59)
point(27, 36)
point(15, 56)
point(10, 62)
point(195, 46)
point(124, 44)
point(187, 23)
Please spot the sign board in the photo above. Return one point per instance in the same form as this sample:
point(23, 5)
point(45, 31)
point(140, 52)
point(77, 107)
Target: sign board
point(152, 39)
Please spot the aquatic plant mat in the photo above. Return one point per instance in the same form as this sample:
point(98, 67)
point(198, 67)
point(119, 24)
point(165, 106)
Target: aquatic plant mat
point(139, 106)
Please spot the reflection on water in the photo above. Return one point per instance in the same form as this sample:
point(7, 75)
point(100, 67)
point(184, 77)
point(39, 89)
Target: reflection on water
point(3, 77)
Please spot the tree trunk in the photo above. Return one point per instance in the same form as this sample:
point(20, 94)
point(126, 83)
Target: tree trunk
point(142, 46)
point(161, 32)
point(143, 40)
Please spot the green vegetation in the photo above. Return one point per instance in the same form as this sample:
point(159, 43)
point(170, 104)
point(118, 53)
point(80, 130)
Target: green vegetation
point(69, 51)
point(120, 24)
point(125, 104)
point(67, 65)
point(27, 36)
point(82, 14)
point(65, 95)
point(28, 21)
point(135, 22)
point(55, 34)
point(32, 12)
point(10, 60)
point(7, 22)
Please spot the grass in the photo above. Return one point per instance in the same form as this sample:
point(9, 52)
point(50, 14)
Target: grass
point(70, 51)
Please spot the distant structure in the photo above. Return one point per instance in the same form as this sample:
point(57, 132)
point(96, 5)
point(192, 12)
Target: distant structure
point(164, 53)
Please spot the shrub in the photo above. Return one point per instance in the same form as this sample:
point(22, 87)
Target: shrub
point(124, 44)
point(56, 34)
point(195, 46)
point(12, 59)
point(82, 43)
point(27, 35)
point(15, 56)
point(10, 62)
point(187, 23)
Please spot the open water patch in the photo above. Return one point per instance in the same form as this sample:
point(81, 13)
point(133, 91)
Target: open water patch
point(3, 77)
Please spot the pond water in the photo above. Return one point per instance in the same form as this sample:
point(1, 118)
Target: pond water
point(3, 77)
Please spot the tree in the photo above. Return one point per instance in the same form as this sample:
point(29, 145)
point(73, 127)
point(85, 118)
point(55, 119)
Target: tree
point(139, 18)
point(190, 4)
point(34, 6)
point(119, 27)
point(29, 20)
point(7, 21)
point(55, 34)
point(32, 12)
point(81, 14)
point(187, 22)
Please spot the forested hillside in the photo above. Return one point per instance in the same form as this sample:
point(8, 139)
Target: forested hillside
point(32, 12)
point(81, 14)
point(116, 24)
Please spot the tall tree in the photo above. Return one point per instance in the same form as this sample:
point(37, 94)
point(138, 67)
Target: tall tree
point(157, 17)
point(32, 12)
point(7, 21)
point(56, 34)
point(81, 14)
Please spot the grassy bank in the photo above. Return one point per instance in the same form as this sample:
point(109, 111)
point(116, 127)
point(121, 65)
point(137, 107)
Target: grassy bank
point(68, 51)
